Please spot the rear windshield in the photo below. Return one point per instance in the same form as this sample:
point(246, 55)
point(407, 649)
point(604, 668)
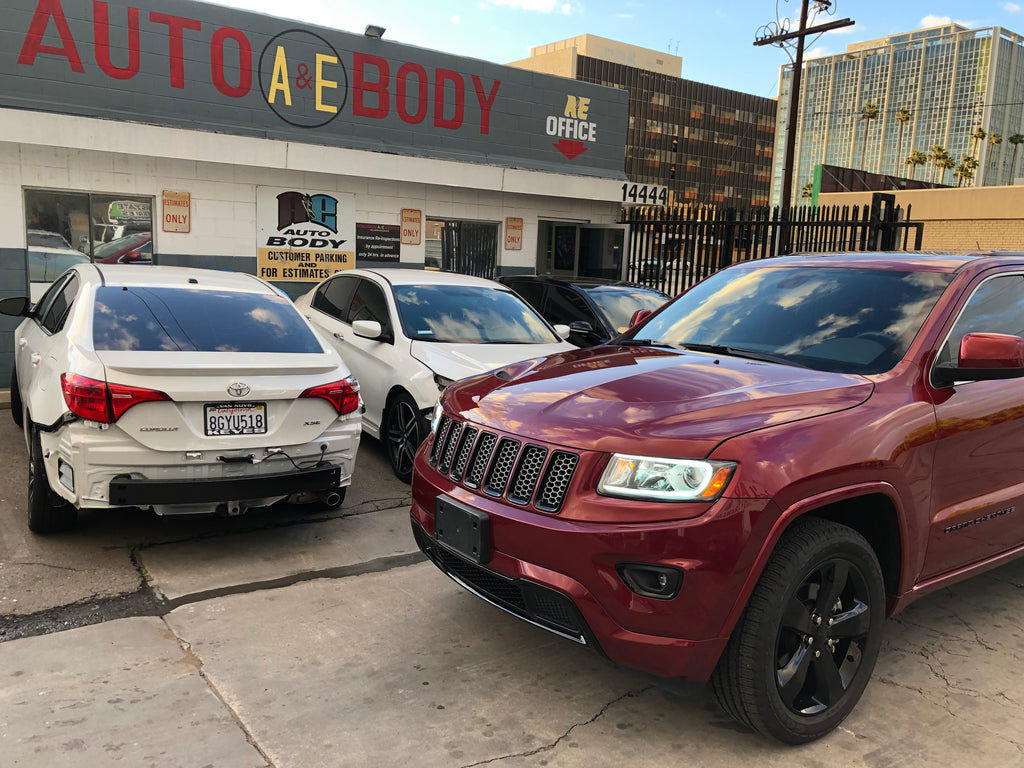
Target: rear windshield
point(152, 319)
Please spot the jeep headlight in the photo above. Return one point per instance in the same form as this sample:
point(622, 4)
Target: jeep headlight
point(435, 417)
point(656, 479)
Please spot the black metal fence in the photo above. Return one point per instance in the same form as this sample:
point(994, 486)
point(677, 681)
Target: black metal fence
point(469, 247)
point(673, 248)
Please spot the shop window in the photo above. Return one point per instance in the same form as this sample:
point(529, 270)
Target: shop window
point(65, 228)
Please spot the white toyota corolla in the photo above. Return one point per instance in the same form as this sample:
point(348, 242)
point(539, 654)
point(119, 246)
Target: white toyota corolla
point(408, 333)
point(181, 390)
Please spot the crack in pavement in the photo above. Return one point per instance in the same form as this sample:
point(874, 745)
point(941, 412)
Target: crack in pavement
point(45, 565)
point(196, 662)
point(574, 726)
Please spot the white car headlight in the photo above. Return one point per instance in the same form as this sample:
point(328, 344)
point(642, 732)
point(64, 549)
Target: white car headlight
point(656, 479)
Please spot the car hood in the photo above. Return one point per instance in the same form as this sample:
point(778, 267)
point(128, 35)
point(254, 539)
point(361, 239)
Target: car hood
point(650, 401)
point(457, 361)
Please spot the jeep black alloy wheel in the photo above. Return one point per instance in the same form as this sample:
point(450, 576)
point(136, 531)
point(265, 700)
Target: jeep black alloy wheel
point(803, 652)
point(404, 430)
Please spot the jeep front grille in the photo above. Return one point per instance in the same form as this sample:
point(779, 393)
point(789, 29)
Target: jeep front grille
point(503, 467)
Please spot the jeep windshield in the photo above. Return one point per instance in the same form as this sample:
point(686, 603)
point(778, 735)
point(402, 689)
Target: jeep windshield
point(838, 319)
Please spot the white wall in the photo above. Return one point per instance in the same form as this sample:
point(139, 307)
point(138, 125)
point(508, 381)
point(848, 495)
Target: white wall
point(222, 172)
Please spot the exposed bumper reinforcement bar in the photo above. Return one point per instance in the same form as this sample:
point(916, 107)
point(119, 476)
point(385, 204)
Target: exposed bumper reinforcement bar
point(128, 492)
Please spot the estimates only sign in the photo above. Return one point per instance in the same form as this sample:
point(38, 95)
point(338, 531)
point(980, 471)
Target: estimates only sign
point(513, 234)
point(412, 226)
point(177, 211)
point(303, 236)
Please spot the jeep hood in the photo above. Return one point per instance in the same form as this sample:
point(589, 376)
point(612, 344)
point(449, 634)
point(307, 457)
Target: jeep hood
point(650, 401)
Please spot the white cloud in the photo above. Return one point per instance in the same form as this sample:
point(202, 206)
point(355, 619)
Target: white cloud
point(931, 20)
point(455, 19)
point(817, 53)
point(541, 6)
point(853, 29)
point(1011, 7)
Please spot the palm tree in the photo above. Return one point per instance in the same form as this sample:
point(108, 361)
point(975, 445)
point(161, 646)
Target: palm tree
point(978, 135)
point(1016, 139)
point(903, 117)
point(994, 140)
point(807, 191)
point(965, 171)
point(935, 154)
point(946, 163)
point(868, 113)
point(915, 159)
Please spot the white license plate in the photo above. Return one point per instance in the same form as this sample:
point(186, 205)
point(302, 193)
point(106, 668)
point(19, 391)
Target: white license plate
point(236, 418)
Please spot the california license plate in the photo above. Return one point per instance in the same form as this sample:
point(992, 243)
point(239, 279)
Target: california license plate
point(236, 419)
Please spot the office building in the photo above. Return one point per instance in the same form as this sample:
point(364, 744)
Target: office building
point(950, 79)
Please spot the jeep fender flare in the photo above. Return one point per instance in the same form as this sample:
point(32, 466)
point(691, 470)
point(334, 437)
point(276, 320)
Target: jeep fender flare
point(806, 506)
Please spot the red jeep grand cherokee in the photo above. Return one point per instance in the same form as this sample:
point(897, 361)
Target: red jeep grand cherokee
point(746, 484)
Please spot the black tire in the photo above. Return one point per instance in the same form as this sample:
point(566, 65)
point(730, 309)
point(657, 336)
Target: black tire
point(16, 410)
point(47, 512)
point(803, 652)
point(404, 430)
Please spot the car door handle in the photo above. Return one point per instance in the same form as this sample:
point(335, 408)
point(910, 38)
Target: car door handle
point(339, 337)
point(35, 358)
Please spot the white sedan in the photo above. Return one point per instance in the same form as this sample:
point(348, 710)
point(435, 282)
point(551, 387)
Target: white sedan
point(181, 390)
point(406, 334)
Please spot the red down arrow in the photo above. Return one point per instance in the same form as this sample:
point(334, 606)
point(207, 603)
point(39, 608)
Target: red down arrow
point(571, 149)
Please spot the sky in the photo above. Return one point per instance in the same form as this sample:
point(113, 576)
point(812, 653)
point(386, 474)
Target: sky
point(715, 39)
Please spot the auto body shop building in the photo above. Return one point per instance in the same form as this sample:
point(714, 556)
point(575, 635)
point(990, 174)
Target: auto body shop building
point(257, 144)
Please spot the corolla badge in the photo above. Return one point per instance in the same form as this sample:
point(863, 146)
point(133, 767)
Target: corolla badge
point(238, 389)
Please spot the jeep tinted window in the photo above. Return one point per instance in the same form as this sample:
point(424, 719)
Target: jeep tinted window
point(182, 319)
point(848, 320)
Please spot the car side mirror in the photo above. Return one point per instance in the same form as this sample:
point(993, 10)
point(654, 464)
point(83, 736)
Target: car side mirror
point(984, 357)
point(15, 306)
point(581, 327)
point(639, 316)
point(563, 331)
point(368, 329)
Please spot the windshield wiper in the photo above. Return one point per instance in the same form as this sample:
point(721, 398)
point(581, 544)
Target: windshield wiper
point(749, 354)
point(645, 343)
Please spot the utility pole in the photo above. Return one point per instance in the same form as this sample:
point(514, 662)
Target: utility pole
point(782, 35)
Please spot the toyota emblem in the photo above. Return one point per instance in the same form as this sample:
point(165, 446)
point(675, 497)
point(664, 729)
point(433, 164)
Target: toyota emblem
point(238, 389)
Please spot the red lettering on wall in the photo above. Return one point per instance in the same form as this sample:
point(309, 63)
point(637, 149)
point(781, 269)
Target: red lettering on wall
point(421, 92)
point(33, 44)
point(443, 76)
point(175, 50)
point(244, 62)
point(486, 102)
point(360, 85)
point(101, 32)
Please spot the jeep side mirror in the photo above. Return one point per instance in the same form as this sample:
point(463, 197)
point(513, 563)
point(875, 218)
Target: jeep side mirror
point(984, 357)
point(639, 316)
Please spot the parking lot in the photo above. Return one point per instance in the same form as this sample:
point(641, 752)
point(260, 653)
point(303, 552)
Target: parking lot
point(308, 637)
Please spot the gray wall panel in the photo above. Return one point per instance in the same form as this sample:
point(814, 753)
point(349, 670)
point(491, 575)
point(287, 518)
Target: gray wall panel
point(518, 114)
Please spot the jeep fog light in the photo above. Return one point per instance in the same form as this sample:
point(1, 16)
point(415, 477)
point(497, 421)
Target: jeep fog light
point(657, 581)
point(657, 479)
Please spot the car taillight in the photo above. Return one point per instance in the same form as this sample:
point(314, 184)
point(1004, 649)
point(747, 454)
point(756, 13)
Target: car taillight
point(343, 395)
point(99, 401)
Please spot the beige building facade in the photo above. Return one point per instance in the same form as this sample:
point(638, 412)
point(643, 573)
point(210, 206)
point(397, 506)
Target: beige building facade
point(977, 218)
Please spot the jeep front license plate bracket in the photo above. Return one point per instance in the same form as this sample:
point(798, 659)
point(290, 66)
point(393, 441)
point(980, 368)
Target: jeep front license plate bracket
point(462, 529)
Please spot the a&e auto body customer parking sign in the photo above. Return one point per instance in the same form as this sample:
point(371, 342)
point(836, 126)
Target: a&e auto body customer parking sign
point(303, 236)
